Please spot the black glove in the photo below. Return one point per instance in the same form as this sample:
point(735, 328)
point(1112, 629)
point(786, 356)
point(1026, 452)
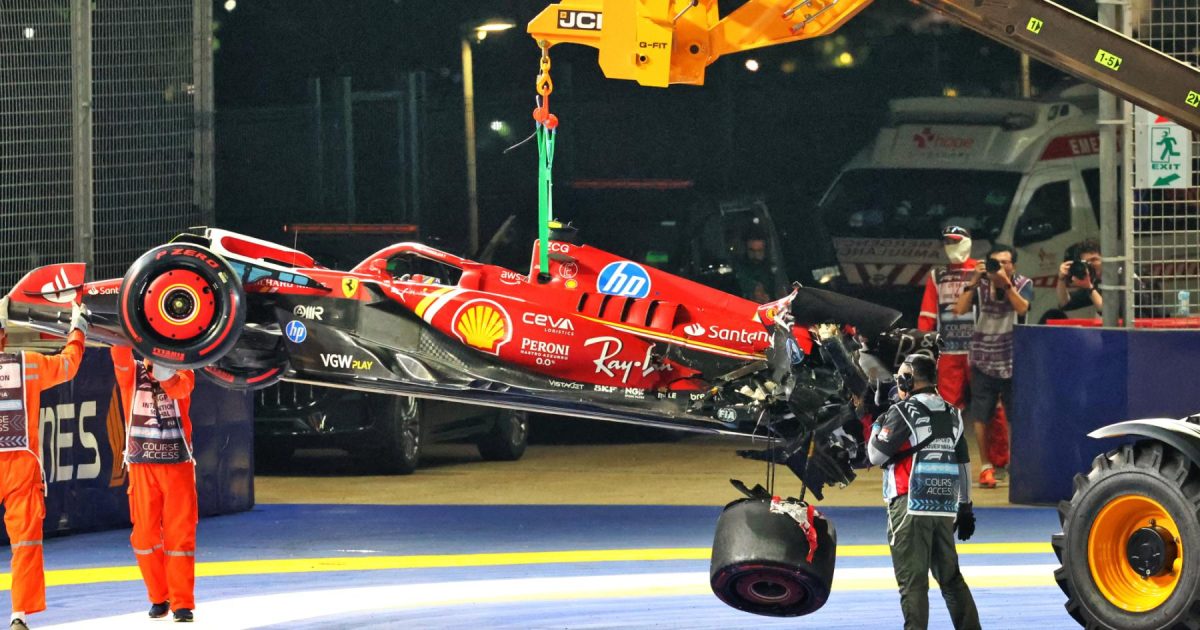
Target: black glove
point(965, 523)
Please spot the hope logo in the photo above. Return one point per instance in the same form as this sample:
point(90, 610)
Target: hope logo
point(625, 279)
point(296, 331)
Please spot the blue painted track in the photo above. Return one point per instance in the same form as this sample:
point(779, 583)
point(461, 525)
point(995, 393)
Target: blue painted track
point(274, 532)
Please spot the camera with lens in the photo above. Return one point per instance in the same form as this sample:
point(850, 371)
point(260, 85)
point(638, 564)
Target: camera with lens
point(992, 265)
point(1079, 269)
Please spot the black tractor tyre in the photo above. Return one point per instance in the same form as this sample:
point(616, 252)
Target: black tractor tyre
point(1138, 509)
point(508, 437)
point(401, 435)
point(182, 305)
point(760, 561)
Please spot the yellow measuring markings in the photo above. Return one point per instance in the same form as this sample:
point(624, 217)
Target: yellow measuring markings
point(69, 577)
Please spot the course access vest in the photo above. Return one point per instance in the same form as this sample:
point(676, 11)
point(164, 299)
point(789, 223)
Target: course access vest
point(933, 485)
point(954, 330)
point(155, 425)
point(14, 431)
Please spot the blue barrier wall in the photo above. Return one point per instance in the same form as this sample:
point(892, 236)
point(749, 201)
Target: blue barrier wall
point(1069, 381)
point(83, 433)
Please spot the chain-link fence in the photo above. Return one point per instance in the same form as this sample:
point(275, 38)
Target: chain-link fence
point(1163, 207)
point(105, 129)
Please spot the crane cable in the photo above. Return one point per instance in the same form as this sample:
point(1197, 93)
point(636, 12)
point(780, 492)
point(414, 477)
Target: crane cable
point(546, 126)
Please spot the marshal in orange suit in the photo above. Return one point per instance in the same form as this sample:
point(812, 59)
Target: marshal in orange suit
point(23, 377)
point(162, 479)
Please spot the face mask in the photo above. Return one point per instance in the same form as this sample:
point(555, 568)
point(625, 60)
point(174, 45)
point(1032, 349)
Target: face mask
point(904, 382)
point(959, 252)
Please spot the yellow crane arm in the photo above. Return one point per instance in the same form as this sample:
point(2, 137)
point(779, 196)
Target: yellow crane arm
point(660, 42)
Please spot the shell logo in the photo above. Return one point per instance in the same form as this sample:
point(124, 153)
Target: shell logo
point(483, 324)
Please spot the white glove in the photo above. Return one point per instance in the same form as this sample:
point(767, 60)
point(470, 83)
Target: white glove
point(4, 313)
point(161, 372)
point(79, 317)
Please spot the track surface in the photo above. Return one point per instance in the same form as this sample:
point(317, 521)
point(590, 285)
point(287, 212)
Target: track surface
point(528, 566)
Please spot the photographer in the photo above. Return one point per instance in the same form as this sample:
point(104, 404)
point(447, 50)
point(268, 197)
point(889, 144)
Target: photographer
point(1079, 276)
point(1003, 297)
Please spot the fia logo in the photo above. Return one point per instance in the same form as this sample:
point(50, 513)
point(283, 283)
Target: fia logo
point(624, 279)
point(296, 331)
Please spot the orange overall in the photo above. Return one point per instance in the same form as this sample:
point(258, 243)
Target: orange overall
point(21, 484)
point(162, 497)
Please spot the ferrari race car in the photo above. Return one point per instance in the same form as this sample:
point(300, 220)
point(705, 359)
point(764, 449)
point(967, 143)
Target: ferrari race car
point(597, 336)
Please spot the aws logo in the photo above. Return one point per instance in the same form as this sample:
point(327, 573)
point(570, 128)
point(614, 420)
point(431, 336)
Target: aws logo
point(482, 324)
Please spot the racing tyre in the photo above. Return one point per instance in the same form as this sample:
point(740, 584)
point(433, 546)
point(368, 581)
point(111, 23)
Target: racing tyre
point(760, 561)
point(507, 439)
point(402, 436)
point(182, 305)
point(244, 379)
point(1124, 534)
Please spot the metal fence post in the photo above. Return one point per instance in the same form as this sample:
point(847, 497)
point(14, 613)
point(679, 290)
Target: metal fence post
point(1110, 124)
point(82, 200)
point(202, 94)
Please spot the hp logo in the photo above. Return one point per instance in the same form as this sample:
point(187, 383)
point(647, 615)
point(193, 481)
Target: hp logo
point(296, 331)
point(625, 279)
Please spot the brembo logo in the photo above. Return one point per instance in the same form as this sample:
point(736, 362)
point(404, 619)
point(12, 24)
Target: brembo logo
point(580, 20)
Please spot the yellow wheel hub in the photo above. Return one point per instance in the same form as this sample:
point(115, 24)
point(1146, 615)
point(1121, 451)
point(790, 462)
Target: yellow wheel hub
point(1121, 519)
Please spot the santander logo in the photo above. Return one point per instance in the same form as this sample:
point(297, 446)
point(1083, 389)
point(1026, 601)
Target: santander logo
point(694, 330)
point(53, 291)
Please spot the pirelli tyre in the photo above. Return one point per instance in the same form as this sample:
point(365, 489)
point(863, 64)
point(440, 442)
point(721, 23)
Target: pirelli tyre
point(243, 379)
point(760, 561)
point(182, 305)
point(1130, 539)
point(508, 437)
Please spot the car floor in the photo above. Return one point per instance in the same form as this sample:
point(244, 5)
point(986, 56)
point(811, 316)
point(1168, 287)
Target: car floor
point(574, 535)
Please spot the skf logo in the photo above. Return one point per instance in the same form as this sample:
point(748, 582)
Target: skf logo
point(345, 362)
point(309, 312)
point(483, 324)
point(53, 291)
point(580, 20)
point(350, 287)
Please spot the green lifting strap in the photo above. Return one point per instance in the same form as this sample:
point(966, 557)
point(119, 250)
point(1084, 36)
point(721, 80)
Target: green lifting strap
point(545, 143)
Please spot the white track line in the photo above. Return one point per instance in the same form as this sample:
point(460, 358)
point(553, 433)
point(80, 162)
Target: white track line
point(280, 608)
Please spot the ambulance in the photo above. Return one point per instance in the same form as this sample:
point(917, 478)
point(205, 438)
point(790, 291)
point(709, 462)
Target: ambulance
point(1025, 173)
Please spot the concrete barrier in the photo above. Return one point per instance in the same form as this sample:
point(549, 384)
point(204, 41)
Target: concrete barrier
point(1069, 381)
point(83, 434)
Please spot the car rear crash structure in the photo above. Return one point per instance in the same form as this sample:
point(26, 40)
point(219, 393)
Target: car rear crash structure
point(1124, 562)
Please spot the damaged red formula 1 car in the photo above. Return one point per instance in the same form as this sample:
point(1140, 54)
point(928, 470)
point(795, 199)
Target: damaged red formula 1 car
point(597, 337)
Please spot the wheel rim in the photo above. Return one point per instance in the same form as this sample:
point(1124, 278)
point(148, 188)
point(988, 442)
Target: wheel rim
point(1123, 529)
point(765, 587)
point(411, 428)
point(179, 305)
